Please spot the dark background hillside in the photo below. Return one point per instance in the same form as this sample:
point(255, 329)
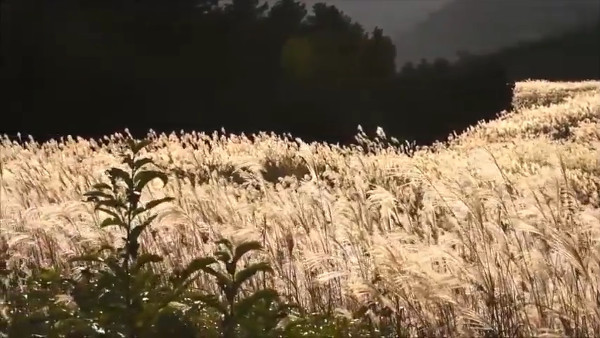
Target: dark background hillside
point(569, 56)
point(91, 67)
point(487, 26)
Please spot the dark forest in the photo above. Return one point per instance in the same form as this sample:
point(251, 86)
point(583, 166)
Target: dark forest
point(91, 68)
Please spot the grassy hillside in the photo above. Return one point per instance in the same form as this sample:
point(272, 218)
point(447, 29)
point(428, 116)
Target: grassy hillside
point(495, 231)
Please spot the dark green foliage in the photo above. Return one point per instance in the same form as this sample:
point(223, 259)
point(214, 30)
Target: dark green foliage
point(239, 313)
point(191, 64)
point(39, 310)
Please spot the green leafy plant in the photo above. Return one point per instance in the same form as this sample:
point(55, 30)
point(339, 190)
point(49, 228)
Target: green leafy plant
point(255, 314)
point(125, 296)
point(118, 292)
point(36, 304)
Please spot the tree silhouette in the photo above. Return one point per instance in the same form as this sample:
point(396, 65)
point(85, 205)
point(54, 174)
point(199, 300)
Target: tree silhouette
point(94, 67)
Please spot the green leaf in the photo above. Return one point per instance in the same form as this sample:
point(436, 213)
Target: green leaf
point(128, 159)
point(112, 203)
point(157, 202)
point(105, 247)
point(143, 177)
point(203, 264)
point(112, 221)
point(101, 186)
point(108, 211)
point(196, 265)
point(223, 256)
point(244, 248)
point(142, 162)
point(96, 194)
point(143, 226)
point(227, 243)
point(130, 143)
point(221, 278)
point(136, 147)
point(144, 259)
point(120, 173)
point(137, 231)
point(250, 271)
point(137, 211)
point(116, 268)
point(244, 306)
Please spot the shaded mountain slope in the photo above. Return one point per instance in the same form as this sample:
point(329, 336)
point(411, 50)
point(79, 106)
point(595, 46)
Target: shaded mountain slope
point(485, 26)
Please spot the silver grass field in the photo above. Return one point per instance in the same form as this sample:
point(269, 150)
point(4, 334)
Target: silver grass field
point(499, 227)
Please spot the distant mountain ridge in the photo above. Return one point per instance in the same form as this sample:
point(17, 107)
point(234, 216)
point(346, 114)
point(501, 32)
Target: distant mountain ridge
point(571, 56)
point(483, 26)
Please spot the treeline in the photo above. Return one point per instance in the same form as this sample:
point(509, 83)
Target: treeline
point(94, 67)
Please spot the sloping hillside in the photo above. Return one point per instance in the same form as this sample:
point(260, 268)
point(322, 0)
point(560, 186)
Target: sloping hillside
point(572, 56)
point(495, 232)
point(485, 26)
